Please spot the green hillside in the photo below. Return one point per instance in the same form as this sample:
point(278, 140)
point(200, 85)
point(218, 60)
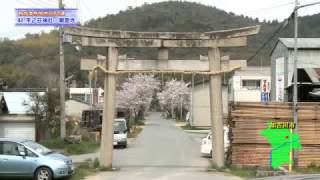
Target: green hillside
point(33, 61)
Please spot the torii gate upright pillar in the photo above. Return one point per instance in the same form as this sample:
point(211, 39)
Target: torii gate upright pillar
point(216, 108)
point(109, 109)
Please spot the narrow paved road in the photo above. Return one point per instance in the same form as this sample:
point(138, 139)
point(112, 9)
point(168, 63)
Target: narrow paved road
point(161, 144)
point(162, 152)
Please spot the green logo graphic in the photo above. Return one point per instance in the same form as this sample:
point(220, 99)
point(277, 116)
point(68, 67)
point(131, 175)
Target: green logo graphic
point(282, 141)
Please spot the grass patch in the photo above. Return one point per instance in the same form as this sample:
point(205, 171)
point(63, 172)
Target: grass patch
point(55, 143)
point(189, 127)
point(84, 147)
point(178, 120)
point(242, 172)
point(83, 169)
point(250, 172)
point(140, 123)
point(135, 132)
point(88, 168)
point(311, 169)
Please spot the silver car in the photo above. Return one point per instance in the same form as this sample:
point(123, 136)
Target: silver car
point(25, 158)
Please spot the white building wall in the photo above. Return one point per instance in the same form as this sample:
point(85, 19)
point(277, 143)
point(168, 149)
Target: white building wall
point(201, 104)
point(201, 96)
point(243, 94)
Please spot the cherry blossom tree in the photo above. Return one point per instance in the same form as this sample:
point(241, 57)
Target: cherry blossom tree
point(174, 94)
point(136, 93)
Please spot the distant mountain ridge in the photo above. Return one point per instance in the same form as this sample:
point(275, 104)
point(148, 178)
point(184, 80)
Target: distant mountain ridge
point(36, 56)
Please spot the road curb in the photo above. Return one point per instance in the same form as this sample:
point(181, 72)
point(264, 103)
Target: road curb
point(197, 131)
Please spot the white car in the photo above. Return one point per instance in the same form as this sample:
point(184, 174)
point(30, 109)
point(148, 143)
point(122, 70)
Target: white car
point(120, 133)
point(206, 143)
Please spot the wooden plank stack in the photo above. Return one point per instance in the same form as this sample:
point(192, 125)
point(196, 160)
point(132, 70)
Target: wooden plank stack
point(249, 148)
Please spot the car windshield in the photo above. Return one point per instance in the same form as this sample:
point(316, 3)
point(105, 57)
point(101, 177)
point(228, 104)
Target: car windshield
point(37, 147)
point(119, 126)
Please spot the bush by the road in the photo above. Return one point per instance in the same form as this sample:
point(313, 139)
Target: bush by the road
point(85, 146)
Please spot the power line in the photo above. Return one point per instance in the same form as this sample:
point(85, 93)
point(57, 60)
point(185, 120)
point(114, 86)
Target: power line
point(88, 10)
point(269, 8)
point(278, 30)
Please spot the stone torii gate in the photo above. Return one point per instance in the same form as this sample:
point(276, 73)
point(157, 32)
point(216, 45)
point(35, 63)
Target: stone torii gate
point(112, 40)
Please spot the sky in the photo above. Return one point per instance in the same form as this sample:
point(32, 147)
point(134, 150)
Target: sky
point(88, 9)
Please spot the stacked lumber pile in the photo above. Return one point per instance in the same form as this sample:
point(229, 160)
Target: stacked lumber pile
point(249, 148)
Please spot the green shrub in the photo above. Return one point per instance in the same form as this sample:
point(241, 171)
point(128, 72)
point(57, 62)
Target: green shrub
point(85, 146)
point(85, 165)
point(83, 169)
point(82, 148)
point(96, 163)
point(245, 172)
point(189, 127)
point(55, 143)
point(140, 123)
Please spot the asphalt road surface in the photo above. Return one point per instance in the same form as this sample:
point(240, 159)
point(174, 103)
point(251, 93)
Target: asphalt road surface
point(161, 152)
point(292, 177)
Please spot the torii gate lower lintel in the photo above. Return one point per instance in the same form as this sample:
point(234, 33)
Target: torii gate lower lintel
point(112, 40)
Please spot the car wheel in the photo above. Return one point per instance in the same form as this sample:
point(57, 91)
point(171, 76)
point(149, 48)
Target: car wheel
point(43, 173)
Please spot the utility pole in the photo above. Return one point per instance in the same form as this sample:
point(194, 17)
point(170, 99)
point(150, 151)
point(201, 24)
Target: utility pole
point(62, 84)
point(191, 100)
point(295, 79)
point(295, 73)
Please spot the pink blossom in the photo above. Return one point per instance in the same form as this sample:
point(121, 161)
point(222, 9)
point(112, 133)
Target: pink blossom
point(136, 92)
point(173, 94)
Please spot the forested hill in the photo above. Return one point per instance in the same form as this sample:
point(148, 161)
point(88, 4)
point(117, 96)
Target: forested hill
point(33, 61)
point(183, 17)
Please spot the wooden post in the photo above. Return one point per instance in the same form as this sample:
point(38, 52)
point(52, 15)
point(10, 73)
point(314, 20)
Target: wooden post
point(163, 54)
point(163, 57)
point(109, 109)
point(290, 154)
point(216, 109)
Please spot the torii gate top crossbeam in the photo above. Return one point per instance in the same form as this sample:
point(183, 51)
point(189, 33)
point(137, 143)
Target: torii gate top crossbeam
point(116, 38)
point(118, 34)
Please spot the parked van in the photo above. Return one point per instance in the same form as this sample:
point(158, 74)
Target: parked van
point(120, 132)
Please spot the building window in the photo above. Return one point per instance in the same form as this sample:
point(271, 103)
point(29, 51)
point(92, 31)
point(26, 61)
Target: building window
point(251, 84)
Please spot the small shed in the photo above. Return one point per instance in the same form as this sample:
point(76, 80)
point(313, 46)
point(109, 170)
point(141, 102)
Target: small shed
point(282, 60)
point(15, 120)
